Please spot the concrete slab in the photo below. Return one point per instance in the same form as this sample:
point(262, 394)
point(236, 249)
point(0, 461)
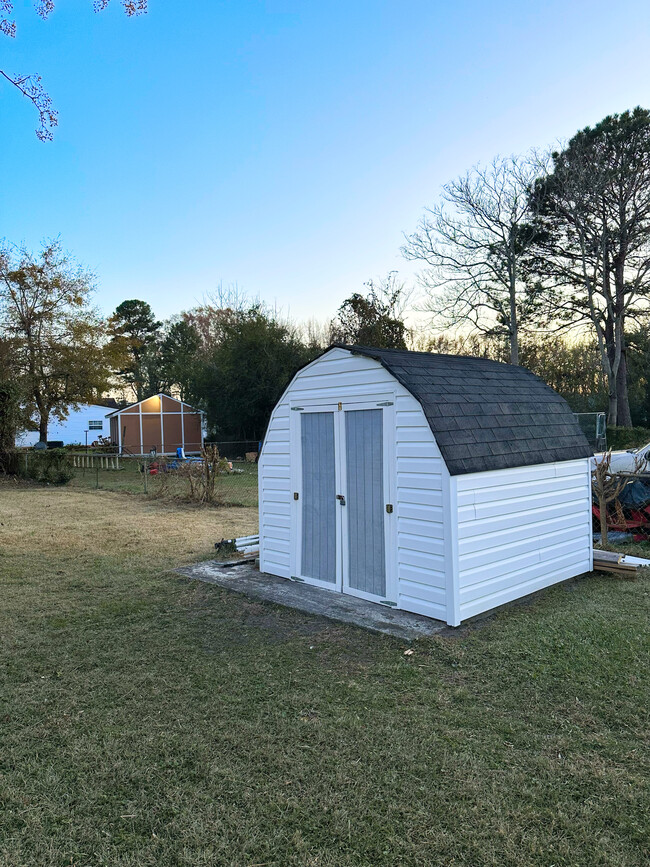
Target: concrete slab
point(247, 579)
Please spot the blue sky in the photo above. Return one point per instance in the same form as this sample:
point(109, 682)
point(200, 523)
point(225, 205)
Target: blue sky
point(286, 146)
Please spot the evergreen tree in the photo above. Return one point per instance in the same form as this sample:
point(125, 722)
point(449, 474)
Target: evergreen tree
point(592, 239)
point(135, 336)
point(247, 372)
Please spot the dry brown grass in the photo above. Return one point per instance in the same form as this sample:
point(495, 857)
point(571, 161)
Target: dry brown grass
point(68, 520)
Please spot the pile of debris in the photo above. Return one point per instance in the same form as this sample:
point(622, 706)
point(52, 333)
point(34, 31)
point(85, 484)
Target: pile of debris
point(619, 564)
point(629, 511)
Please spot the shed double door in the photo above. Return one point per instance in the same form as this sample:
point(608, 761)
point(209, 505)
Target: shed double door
point(343, 519)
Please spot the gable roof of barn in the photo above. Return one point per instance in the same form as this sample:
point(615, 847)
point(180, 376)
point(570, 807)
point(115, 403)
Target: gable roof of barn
point(485, 415)
point(129, 406)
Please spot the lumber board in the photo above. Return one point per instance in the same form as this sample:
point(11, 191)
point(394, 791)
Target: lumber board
point(608, 556)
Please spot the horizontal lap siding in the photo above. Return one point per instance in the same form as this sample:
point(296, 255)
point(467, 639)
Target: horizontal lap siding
point(420, 528)
point(275, 496)
point(521, 530)
point(418, 513)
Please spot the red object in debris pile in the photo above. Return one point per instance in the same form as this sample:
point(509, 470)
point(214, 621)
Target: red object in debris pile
point(633, 520)
point(153, 469)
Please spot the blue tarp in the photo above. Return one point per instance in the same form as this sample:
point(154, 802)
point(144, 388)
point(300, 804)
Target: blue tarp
point(635, 494)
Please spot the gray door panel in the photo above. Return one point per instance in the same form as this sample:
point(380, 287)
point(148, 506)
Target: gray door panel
point(365, 500)
point(318, 496)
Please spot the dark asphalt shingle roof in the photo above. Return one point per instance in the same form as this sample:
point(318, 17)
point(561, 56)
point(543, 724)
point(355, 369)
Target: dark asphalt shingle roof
point(485, 415)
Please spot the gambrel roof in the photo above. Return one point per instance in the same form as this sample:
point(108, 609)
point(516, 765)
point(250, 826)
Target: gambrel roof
point(485, 415)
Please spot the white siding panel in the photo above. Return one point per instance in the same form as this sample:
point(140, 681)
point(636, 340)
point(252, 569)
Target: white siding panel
point(72, 430)
point(530, 582)
point(421, 606)
point(425, 561)
point(420, 466)
point(278, 529)
point(409, 417)
point(469, 527)
point(485, 556)
point(417, 474)
point(416, 527)
point(417, 451)
point(426, 577)
point(417, 590)
point(521, 530)
point(430, 512)
point(422, 496)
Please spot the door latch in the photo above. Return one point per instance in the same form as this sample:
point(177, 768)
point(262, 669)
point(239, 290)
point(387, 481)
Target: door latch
point(296, 495)
point(389, 508)
point(341, 499)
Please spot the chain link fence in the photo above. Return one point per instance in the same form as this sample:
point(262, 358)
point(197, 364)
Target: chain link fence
point(594, 427)
point(230, 482)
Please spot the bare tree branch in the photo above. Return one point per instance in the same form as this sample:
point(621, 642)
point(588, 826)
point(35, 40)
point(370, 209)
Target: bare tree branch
point(473, 243)
point(31, 85)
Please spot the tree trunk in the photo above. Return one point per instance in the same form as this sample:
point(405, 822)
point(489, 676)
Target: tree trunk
point(602, 507)
point(514, 327)
point(44, 419)
point(624, 416)
point(612, 412)
point(612, 378)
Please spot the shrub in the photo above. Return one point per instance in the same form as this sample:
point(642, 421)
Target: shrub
point(48, 467)
point(627, 437)
point(197, 479)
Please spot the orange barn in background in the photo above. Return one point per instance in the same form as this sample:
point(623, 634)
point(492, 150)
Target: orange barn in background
point(159, 422)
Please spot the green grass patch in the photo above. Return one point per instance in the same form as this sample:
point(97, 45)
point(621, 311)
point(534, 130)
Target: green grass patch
point(149, 720)
point(233, 489)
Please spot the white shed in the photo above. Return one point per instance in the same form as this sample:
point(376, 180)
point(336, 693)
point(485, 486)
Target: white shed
point(437, 484)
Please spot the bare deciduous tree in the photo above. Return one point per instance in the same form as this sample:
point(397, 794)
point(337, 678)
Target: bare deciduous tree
point(473, 243)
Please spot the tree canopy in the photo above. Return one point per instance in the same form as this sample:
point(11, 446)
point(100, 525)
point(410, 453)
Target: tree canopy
point(59, 357)
point(247, 371)
point(374, 319)
point(592, 240)
point(134, 334)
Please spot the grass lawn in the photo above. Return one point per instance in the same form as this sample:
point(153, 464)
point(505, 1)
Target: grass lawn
point(234, 489)
point(149, 720)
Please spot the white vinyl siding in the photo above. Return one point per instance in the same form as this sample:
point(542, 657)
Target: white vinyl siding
point(72, 430)
point(520, 530)
point(459, 545)
point(420, 527)
point(417, 552)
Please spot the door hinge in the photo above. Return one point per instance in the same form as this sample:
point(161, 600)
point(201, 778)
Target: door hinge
point(296, 495)
point(341, 499)
point(296, 408)
point(385, 403)
point(388, 602)
point(299, 580)
point(389, 508)
point(340, 406)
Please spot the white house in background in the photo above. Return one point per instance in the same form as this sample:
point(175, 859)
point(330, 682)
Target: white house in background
point(437, 484)
point(72, 431)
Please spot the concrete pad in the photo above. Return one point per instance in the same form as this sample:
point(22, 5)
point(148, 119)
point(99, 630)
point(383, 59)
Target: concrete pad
point(247, 579)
